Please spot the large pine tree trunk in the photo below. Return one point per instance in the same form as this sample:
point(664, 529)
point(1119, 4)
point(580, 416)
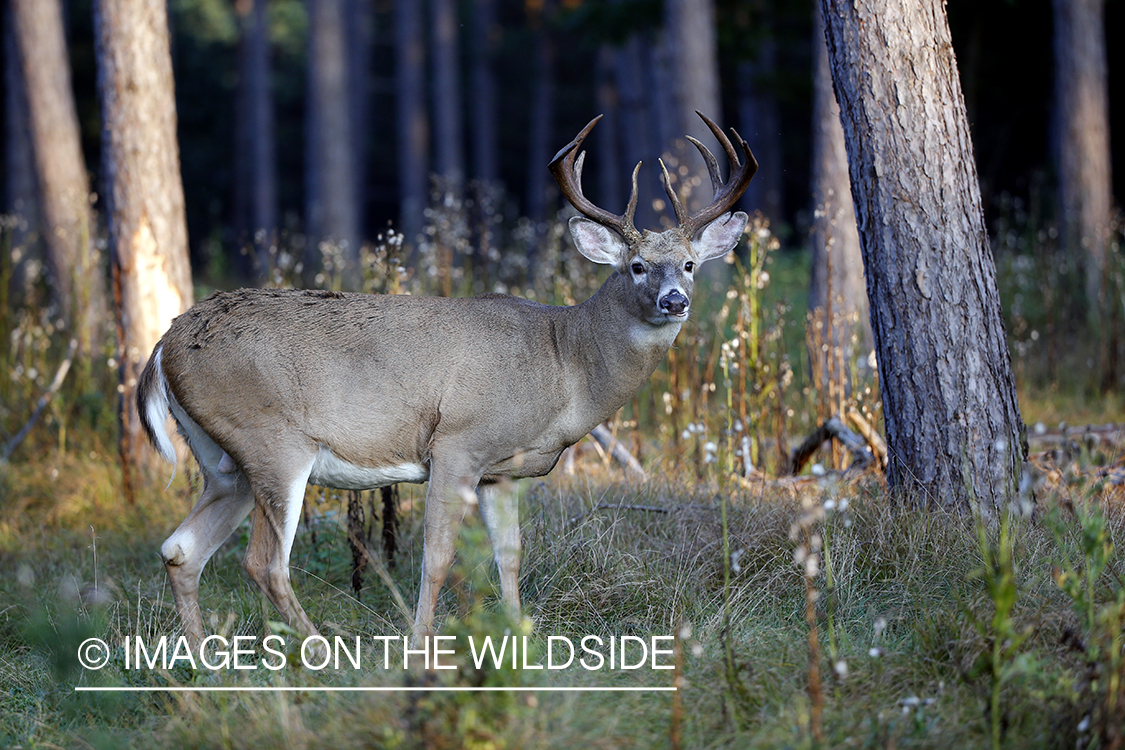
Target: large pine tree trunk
point(143, 190)
point(64, 190)
point(836, 289)
point(1082, 106)
point(954, 431)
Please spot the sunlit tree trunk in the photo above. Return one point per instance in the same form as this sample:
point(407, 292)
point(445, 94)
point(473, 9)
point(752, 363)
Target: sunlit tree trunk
point(64, 192)
point(1082, 107)
point(954, 432)
point(837, 295)
point(144, 195)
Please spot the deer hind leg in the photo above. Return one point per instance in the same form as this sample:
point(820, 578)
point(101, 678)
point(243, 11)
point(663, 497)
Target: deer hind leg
point(277, 509)
point(499, 507)
point(222, 505)
point(448, 499)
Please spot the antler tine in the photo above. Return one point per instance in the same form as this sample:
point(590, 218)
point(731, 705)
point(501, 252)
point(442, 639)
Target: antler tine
point(726, 194)
point(568, 175)
point(677, 206)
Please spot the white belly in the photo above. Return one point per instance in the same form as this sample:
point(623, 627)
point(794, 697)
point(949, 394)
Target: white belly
point(329, 470)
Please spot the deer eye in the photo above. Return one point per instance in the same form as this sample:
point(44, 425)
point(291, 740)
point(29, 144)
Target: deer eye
point(638, 268)
point(689, 266)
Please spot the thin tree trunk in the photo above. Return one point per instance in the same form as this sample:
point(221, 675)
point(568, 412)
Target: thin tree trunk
point(1082, 106)
point(413, 124)
point(143, 189)
point(331, 211)
point(540, 130)
point(690, 34)
point(21, 188)
point(483, 133)
point(759, 123)
point(256, 133)
point(483, 75)
point(954, 431)
point(449, 158)
point(64, 191)
point(636, 128)
point(361, 43)
point(837, 288)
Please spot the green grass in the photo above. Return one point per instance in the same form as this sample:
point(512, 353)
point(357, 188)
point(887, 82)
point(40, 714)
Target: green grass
point(905, 585)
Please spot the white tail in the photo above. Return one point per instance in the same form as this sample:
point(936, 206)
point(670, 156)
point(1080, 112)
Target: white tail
point(274, 389)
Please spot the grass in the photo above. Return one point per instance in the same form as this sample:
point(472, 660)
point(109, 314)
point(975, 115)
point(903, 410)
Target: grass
point(907, 596)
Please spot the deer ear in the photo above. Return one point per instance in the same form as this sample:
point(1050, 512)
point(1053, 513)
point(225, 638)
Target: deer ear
point(720, 236)
point(596, 242)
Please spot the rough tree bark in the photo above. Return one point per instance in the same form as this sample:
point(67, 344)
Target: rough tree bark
point(64, 188)
point(954, 431)
point(1082, 107)
point(837, 263)
point(143, 190)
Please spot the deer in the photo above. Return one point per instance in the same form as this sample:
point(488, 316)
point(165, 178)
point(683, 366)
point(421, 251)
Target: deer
point(275, 389)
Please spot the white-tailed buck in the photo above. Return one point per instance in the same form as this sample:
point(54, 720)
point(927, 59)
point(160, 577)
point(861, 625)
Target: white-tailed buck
point(274, 389)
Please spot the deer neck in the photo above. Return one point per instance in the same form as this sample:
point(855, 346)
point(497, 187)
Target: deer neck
point(616, 348)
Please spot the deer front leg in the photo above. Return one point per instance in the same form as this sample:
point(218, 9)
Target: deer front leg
point(448, 498)
point(499, 507)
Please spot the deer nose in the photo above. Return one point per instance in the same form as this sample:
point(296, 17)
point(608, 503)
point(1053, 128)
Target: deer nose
point(674, 303)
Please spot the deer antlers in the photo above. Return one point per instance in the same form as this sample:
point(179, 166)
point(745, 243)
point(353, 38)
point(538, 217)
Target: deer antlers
point(567, 170)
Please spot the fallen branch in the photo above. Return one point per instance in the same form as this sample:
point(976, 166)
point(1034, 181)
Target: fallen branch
point(874, 440)
point(60, 375)
point(620, 454)
point(833, 428)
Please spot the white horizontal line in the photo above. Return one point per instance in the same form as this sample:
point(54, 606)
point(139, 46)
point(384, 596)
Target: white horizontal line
point(329, 689)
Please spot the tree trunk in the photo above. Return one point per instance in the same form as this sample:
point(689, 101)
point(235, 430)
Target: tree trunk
point(449, 158)
point(257, 182)
point(690, 34)
point(760, 124)
point(331, 211)
point(143, 190)
point(540, 130)
point(413, 124)
point(21, 189)
point(64, 191)
point(837, 295)
point(486, 31)
point(636, 129)
point(1082, 106)
point(954, 431)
